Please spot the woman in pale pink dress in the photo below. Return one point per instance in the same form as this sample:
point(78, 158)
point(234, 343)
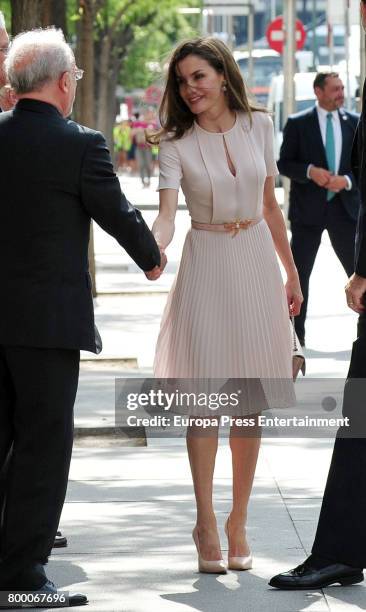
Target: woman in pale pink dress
point(227, 315)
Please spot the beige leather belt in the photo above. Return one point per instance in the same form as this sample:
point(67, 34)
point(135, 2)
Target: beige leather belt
point(233, 226)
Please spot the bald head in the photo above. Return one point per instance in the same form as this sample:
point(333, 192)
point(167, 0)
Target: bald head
point(41, 65)
point(4, 43)
point(36, 58)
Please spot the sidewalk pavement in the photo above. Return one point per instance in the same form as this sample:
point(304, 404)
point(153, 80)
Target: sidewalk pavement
point(129, 515)
point(130, 509)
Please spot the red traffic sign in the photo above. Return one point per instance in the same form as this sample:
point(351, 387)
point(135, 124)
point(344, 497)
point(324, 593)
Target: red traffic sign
point(276, 36)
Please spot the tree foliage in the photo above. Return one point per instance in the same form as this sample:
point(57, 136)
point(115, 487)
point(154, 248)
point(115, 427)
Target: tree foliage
point(144, 63)
point(5, 8)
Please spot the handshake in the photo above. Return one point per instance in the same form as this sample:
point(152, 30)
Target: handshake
point(324, 178)
point(156, 272)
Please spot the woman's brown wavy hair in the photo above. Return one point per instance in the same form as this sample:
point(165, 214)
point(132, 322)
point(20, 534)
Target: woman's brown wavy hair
point(174, 115)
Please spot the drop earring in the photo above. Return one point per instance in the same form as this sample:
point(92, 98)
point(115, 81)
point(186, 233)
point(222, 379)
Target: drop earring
point(224, 88)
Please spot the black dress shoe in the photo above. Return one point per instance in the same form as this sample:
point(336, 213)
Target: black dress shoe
point(307, 577)
point(60, 541)
point(48, 590)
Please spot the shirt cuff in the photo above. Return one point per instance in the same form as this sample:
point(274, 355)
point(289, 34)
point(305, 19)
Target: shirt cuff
point(349, 183)
point(310, 166)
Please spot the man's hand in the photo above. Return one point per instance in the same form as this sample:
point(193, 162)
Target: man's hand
point(320, 176)
point(355, 290)
point(7, 98)
point(337, 183)
point(153, 274)
point(156, 272)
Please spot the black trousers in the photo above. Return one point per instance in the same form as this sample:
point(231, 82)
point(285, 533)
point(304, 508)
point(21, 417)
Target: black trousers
point(341, 531)
point(37, 395)
point(305, 244)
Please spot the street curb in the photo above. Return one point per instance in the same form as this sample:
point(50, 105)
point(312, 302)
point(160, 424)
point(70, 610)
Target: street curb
point(156, 206)
point(107, 436)
point(127, 363)
point(134, 293)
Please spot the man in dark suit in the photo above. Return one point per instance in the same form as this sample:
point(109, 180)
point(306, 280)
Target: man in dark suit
point(316, 156)
point(339, 549)
point(7, 102)
point(59, 176)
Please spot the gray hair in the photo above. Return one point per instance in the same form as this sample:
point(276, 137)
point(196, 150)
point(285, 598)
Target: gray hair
point(2, 21)
point(37, 57)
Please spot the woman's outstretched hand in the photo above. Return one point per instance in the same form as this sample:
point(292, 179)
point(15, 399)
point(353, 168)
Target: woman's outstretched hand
point(294, 295)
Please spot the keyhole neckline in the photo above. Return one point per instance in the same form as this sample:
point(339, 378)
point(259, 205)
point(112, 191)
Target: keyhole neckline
point(230, 164)
point(218, 133)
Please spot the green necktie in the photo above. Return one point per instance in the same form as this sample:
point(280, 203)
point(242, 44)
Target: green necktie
point(330, 150)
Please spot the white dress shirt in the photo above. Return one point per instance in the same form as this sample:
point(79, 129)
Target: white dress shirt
point(338, 138)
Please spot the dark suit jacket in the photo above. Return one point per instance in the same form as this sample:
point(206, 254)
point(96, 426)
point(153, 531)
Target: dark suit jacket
point(359, 169)
point(56, 176)
point(302, 145)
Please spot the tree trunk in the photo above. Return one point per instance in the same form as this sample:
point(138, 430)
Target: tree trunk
point(85, 59)
point(85, 101)
point(112, 108)
point(25, 15)
point(103, 80)
point(54, 13)
point(108, 73)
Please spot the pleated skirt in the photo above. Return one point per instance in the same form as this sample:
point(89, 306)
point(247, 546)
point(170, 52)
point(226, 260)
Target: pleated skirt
point(226, 316)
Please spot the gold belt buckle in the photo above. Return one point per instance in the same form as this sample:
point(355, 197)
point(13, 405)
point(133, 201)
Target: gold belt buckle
point(237, 225)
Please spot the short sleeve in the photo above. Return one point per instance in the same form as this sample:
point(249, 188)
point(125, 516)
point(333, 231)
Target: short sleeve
point(269, 154)
point(170, 168)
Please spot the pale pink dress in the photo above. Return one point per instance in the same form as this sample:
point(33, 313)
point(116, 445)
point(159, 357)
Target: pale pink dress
point(226, 315)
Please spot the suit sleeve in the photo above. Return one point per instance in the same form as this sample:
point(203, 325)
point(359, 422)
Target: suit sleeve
point(289, 164)
point(355, 164)
point(360, 251)
point(353, 173)
point(104, 201)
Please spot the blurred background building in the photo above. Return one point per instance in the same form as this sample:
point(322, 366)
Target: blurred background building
point(264, 12)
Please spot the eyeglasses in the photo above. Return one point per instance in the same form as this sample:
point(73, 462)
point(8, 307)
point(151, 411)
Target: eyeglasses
point(78, 73)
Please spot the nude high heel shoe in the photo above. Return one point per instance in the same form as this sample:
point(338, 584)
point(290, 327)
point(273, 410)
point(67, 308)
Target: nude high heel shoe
point(238, 563)
point(208, 567)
